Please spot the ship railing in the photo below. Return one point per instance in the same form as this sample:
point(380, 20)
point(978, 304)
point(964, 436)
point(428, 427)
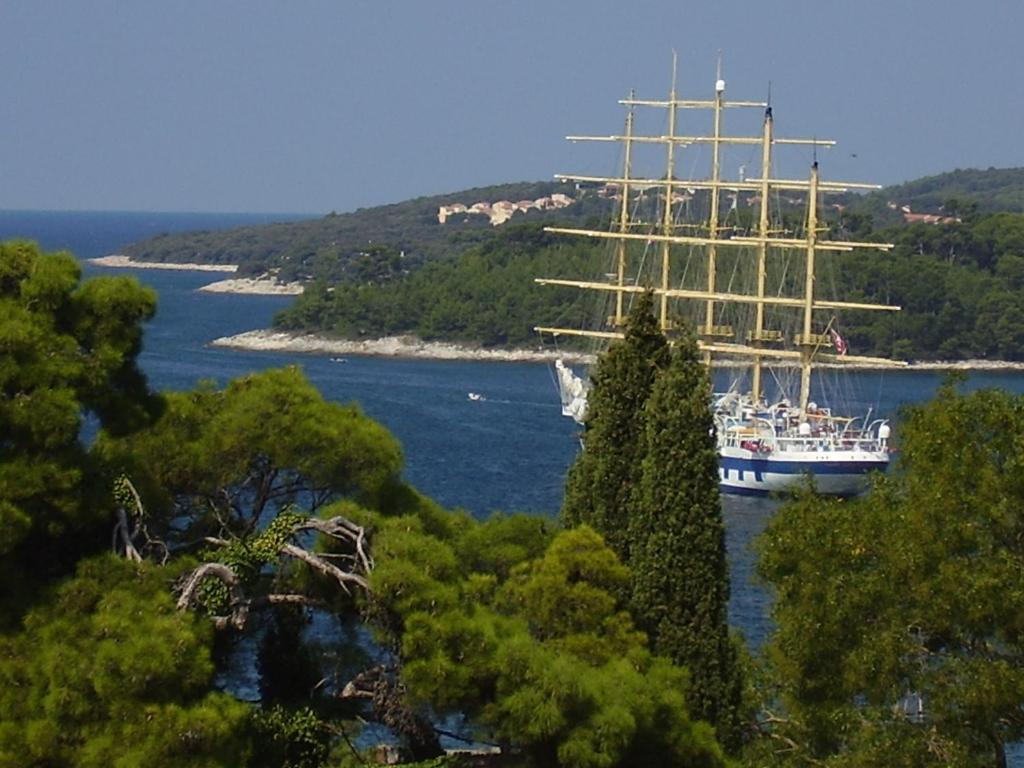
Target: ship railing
point(827, 443)
point(769, 435)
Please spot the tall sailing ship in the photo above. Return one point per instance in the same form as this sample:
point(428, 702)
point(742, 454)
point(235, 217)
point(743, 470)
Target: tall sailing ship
point(749, 281)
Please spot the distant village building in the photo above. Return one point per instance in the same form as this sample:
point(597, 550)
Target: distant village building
point(502, 210)
point(927, 218)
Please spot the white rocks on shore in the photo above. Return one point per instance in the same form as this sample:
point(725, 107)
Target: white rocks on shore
point(118, 260)
point(390, 346)
point(410, 346)
point(259, 286)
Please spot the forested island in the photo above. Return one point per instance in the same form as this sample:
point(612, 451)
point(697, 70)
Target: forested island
point(202, 530)
point(957, 269)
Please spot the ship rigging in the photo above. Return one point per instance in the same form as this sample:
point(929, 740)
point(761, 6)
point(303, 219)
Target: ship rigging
point(778, 317)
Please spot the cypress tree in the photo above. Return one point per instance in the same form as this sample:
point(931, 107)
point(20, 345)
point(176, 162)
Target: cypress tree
point(678, 559)
point(603, 478)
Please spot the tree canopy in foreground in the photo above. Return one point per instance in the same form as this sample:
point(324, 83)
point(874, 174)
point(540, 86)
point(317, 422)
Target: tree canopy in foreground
point(239, 576)
point(194, 543)
point(900, 616)
point(67, 352)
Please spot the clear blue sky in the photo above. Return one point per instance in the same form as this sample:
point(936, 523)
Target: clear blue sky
point(312, 106)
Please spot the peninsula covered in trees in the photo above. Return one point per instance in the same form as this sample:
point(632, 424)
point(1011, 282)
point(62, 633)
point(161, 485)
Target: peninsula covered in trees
point(957, 269)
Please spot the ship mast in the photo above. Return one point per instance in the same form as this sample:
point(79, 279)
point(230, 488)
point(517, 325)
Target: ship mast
point(666, 216)
point(807, 341)
point(809, 346)
point(619, 320)
point(759, 334)
point(716, 145)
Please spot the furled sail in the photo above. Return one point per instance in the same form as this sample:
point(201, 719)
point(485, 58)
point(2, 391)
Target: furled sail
point(573, 392)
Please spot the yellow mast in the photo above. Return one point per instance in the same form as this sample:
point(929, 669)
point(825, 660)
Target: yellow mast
point(666, 223)
point(624, 215)
point(758, 335)
point(808, 343)
point(716, 144)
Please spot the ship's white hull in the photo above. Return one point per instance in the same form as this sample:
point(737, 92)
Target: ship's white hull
point(774, 449)
point(835, 473)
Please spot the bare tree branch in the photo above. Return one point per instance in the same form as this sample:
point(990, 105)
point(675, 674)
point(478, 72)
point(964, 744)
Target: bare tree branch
point(128, 534)
point(238, 604)
point(288, 599)
point(358, 567)
point(344, 578)
point(121, 533)
point(384, 688)
point(345, 530)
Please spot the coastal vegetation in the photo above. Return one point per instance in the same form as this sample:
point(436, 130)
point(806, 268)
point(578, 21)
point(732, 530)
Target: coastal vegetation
point(367, 245)
point(218, 524)
point(395, 270)
point(959, 286)
point(241, 577)
point(485, 296)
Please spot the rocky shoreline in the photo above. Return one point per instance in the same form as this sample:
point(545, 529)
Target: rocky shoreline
point(410, 346)
point(264, 285)
point(389, 346)
point(119, 260)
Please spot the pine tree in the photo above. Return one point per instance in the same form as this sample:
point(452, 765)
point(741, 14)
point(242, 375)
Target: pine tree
point(678, 559)
point(603, 478)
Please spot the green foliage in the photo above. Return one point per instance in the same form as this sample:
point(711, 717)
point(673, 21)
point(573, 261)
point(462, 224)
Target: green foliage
point(606, 472)
point(371, 245)
point(913, 594)
point(486, 295)
point(521, 629)
point(225, 459)
point(991, 190)
point(680, 588)
point(496, 544)
point(544, 658)
point(66, 350)
point(109, 673)
point(957, 283)
point(647, 480)
point(289, 739)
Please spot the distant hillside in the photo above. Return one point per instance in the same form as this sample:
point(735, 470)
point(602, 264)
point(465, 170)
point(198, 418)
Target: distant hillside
point(995, 190)
point(380, 243)
point(959, 276)
point(440, 268)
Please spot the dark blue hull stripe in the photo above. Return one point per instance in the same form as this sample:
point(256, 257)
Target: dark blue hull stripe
point(730, 464)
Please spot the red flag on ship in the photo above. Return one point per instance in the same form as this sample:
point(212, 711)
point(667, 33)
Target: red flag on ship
point(838, 342)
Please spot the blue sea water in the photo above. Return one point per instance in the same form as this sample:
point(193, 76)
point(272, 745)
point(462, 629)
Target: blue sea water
point(509, 451)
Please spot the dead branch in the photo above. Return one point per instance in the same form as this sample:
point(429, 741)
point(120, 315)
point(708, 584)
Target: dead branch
point(288, 599)
point(344, 530)
point(383, 687)
point(122, 535)
point(127, 534)
point(317, 563)
point(237, 603)
point(354, 574)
